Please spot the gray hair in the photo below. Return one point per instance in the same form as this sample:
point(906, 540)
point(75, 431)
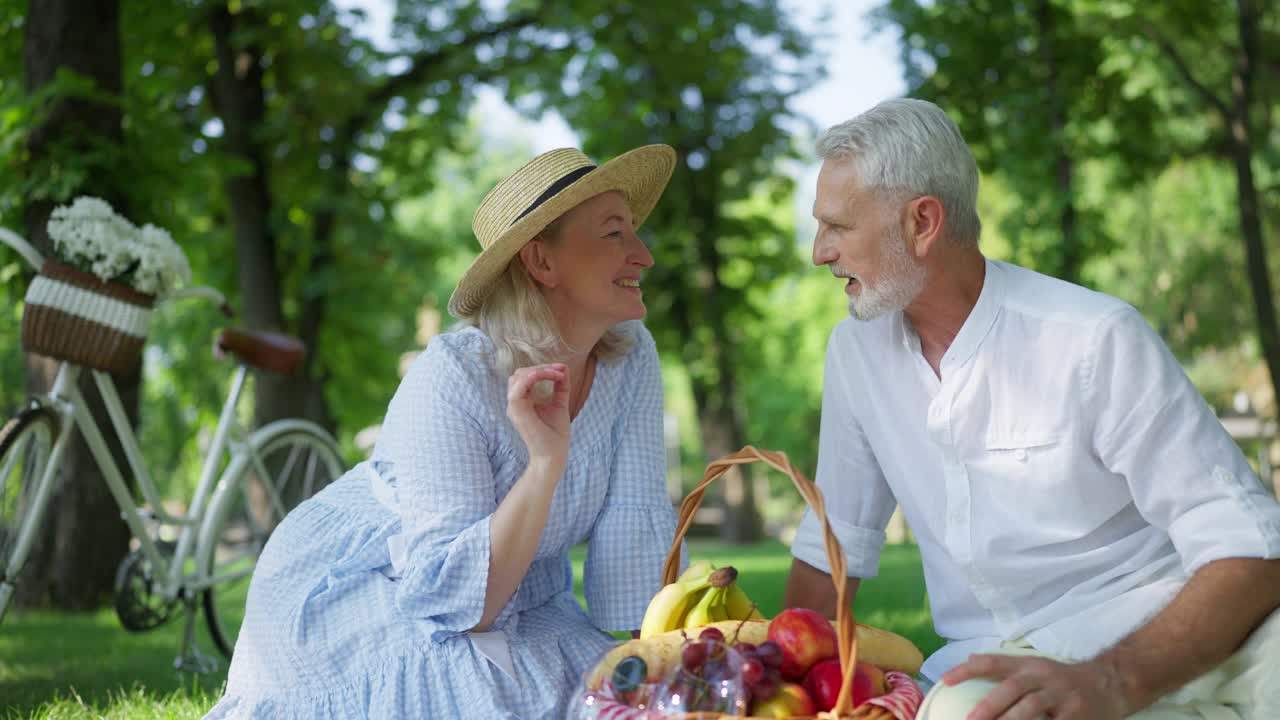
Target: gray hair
point(909, 146)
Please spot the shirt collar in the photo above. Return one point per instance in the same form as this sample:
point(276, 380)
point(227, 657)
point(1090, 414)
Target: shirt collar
point(980, 319)
point(904, 333)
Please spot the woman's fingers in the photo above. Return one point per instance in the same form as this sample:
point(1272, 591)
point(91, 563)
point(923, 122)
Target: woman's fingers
point(543, 424)
point(522, 382)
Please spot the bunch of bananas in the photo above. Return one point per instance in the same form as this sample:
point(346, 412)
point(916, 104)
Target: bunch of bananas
point(702, 595)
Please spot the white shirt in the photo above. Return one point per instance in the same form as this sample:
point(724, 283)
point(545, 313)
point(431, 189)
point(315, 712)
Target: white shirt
point(1063, 478)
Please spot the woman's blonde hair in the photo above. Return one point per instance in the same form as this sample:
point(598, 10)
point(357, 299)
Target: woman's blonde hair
point(518, 321)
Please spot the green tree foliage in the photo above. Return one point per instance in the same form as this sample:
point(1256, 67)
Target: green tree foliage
point(270, 135)
point(713, 84)
point(1028, 84)
point(1076, 103)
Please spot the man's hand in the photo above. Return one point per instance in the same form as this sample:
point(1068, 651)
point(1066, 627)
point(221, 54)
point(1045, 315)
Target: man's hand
point(1034, 687)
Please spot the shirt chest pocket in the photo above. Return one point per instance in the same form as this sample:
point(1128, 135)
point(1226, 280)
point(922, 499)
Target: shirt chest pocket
point(1027, 459)
point(1020, 448)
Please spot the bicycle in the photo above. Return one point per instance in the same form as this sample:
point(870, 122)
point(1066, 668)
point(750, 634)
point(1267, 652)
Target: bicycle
point(249, 480)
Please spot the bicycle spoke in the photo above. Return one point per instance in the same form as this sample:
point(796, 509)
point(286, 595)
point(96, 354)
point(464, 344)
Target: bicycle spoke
point(287, 473)
point(269, 487)
point(309, 486)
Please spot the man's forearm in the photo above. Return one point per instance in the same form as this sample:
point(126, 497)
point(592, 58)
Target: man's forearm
point(809, 587)
point(1206, 622)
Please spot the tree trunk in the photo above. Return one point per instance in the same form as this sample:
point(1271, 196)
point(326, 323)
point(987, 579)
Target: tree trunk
point(73, 562)
point(1256, 255)
point(720, 416)
point(1247, 191)
point(1064, 169)
point(240, 101)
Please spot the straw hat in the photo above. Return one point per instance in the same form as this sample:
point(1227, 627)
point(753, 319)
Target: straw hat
point(529, 199)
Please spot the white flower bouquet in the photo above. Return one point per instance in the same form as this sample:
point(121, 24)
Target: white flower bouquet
point(89, 236)
point(92, 304)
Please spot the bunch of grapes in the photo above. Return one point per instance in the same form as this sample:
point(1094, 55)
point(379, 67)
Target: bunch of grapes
point(708, 679)
point(758, 667)
point(718, 676)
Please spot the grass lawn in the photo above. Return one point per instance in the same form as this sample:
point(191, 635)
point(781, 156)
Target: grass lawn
point(56, 666)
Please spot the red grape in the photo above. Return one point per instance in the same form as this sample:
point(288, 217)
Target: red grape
point(752, 671)
point(715, 670)
point(693, 656)
point(712, 633)
point(769, 653)
point(765, 687)
point(745, 648)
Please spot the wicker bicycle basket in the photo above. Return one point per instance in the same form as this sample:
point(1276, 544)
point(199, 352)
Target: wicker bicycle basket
point(845, 625)
point(73, 316)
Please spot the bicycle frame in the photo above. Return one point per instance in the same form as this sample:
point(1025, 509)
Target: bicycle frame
point(69, 402)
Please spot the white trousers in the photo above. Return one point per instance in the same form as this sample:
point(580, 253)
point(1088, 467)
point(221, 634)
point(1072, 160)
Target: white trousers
point(1244, 687)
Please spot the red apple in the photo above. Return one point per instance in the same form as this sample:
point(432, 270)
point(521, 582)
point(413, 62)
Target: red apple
point(823, 682)
point(790, 700)
point(824, 679)
point(805, 637)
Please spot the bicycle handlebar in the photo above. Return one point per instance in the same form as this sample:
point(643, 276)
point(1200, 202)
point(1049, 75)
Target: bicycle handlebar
point(28, 253)
point(32, 256)
point(204, 293)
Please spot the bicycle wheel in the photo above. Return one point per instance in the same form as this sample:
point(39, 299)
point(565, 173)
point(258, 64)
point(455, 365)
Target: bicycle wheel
point(26, 442)
point(288, 462)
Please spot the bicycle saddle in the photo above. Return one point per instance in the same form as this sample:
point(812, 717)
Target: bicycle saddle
point(263, 350)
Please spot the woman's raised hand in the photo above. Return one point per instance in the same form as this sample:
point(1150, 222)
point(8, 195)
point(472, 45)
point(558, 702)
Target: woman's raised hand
point(542, 420)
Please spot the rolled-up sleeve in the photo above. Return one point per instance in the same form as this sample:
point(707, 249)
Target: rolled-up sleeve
point(858, 500)
point(1187, 476)
point(438, 452)
point(634, 530)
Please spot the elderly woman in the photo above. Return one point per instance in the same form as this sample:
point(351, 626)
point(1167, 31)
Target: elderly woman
point(434, 580)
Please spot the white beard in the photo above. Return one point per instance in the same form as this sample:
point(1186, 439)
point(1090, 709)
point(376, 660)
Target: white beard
point(901, 281)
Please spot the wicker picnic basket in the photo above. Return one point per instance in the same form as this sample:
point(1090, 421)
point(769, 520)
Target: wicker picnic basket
point(73, 316)
point(845, 626)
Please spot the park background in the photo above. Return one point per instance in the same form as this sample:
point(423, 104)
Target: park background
point(320, 162)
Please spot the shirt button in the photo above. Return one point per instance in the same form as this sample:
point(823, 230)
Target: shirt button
point(1021, 455)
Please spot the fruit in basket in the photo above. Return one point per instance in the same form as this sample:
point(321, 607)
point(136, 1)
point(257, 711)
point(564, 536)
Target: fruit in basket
point(740, 606)
point(711, 632)
point(662, 652)
point(668, 607)
point(689, 601)
point(769, 653)
point(711, 606)
point(824, 679)
point(805, 637)
point(696, 569)
point(706, 680)
point(789, 701)
point(872, 678)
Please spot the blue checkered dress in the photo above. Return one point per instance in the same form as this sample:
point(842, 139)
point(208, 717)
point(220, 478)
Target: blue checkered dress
point(335, 628)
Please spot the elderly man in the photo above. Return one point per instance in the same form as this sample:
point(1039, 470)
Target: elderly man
point(1095, 546)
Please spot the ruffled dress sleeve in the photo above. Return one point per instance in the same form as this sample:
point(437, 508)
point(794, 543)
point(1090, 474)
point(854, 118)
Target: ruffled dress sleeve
point(437, 443)
point(634, 529)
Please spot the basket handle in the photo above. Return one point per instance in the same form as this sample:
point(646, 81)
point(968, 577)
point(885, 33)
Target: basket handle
point(846, 636)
